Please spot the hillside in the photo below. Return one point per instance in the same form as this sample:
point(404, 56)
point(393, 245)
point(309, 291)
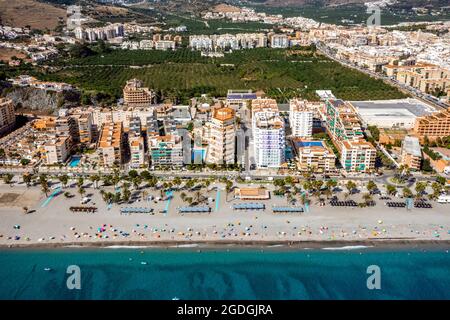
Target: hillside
point(37, 15)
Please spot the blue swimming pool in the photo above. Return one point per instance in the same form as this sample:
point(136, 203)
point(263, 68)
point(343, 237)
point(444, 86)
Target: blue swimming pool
point(74, 162)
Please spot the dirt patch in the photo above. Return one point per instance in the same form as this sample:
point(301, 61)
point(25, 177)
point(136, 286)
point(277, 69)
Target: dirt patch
point(37, 15)
point(7, 54)
point(8, 198)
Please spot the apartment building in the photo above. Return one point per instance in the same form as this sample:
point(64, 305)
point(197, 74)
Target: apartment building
point(268, 134)
point(314, 155)
point(301, 116)
point(433, 126)
point(357, 155)
point(85, 130)
point(166, 150)
point(279, 41)
point(342, 124)
point(411, 153)
point(135, 94)
point(57, 150)
point(7, 116)
point(221, 147)
point(66, 126)
point(426, 77)
point(110, 144)
point(137, 151)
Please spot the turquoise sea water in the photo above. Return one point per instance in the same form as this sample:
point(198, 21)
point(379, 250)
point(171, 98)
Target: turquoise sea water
point(213, 274)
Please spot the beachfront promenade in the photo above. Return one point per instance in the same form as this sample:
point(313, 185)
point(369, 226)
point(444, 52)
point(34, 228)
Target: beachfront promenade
point(50, 222)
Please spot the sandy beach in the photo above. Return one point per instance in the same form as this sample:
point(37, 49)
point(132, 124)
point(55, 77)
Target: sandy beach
point(50, 223)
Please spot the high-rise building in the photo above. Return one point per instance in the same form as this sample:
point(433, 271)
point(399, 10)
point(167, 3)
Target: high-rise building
point(221, 147)
point(66, 126)
point(347, 135)
point(84, 124)
point(7, 116)
point(301, 117)
point(111, 143)
point(135, 94)
point(268, 134)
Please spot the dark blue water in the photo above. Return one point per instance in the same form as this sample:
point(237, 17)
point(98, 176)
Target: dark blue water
point(237, 274)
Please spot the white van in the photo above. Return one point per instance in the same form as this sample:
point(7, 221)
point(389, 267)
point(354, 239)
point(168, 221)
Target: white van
point(444, 199)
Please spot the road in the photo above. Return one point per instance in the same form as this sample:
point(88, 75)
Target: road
point(404, 88)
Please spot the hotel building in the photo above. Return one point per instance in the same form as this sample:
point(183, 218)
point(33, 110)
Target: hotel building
point(134, 94)
point(110, 145)
point(433, 126)
point(7, 116)
point(221, 147)
point(84, 125)
point(411, 153)
point(301, 117)
point(314, 155)
point(357, 155)
point(268, 134)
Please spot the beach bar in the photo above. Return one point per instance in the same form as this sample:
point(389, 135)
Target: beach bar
point(251, 194)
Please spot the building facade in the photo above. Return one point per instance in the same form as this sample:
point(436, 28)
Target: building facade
point(411, 153)
point(268, 134)
point(301, 118)
point(110, 145)
point(221, 147)
point(7, 116)
point(135, 94)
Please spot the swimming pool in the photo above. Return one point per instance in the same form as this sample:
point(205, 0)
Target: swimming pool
point(74, 162)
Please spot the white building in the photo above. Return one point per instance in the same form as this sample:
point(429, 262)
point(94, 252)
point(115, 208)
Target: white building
point(301, 117)
point(269, 135)
point(279, 41)
point(137, 152)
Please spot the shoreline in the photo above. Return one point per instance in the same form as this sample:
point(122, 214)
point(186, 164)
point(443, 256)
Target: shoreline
point(332, 245)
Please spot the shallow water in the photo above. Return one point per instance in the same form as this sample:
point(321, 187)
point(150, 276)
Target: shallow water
point(222, 274)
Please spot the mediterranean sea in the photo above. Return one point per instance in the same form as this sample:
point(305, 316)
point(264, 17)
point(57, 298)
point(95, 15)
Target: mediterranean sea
point(185, 274)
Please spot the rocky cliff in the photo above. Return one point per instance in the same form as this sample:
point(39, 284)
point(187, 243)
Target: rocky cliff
point(41, 100)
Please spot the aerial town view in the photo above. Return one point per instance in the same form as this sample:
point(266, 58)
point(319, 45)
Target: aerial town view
point(148, 136)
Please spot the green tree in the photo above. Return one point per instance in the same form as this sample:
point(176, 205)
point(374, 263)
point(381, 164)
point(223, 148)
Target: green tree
point(7, 178)
point(64, 179)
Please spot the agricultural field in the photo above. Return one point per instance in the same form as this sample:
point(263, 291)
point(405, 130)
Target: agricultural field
point(182, 74)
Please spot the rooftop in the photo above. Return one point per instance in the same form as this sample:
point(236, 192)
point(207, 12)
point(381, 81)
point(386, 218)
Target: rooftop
point(393, 108)
point(411, 145)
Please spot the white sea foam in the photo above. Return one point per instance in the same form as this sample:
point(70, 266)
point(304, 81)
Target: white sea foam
point(193, 245)
point(347, 248)
point(129, 247)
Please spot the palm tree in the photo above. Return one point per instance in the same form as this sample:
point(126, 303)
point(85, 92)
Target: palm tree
point(81, 191)
point(391, 189)
point(7, 178)
point(350, 185)
point(136, 182)
point(95, 179)
point(80, 182)
point(44, 184)
point(367, 198)
point(64, 179)
point(371, 186)
point(25, 210)
point(27, 179)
